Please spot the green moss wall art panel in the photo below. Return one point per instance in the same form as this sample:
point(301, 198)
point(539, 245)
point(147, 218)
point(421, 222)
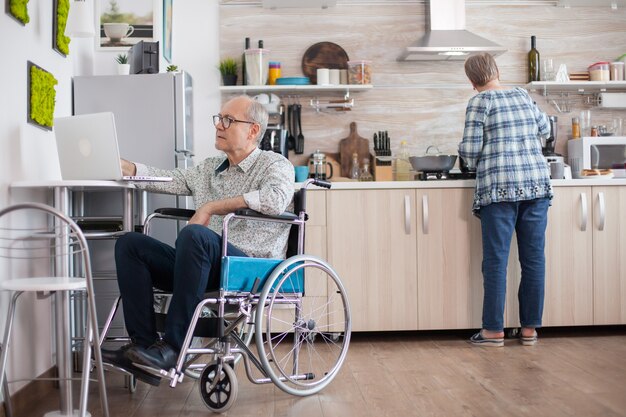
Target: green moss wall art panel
point(41, 96)
point(60, 42)
point(18, 10)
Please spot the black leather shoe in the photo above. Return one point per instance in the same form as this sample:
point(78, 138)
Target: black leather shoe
point(159, 356)
point(118, 359)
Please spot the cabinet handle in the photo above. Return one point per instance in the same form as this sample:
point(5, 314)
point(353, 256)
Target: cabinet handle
point(583, 212)
point(407, 215)
point(602, 211)
point(425, 214)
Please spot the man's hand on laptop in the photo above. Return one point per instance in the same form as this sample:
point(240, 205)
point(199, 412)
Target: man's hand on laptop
point(128, 168)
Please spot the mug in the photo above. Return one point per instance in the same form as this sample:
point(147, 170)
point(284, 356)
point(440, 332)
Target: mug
point(334, 77)
point(117, 31)
point(302, 173)
point(557, 170)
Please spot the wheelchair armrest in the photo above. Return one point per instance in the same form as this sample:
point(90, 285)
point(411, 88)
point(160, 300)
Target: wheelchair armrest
point(256, 214)
point(176, 212)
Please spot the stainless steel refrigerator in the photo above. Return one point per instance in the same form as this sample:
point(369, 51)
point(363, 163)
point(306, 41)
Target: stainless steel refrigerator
point(153, 118)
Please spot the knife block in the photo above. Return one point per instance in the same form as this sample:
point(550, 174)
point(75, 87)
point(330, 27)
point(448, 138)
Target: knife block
point(381, 170)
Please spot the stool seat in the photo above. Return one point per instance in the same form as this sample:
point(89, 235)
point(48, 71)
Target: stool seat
point(44, 284)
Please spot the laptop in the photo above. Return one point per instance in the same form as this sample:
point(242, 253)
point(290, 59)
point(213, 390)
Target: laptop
point(88, 150)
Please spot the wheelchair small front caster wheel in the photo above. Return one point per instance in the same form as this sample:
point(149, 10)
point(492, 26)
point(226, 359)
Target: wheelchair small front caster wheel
point(219, 392)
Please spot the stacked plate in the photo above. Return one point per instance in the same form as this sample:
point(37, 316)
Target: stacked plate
point(292, 81)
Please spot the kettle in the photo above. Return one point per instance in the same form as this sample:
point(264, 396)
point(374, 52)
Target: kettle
point(318, 166)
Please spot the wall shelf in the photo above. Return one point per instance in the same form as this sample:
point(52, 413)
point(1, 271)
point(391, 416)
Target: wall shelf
point(295, 89)
point(575, 86)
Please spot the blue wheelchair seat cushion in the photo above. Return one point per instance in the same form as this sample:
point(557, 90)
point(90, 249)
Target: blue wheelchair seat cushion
point(239, 273)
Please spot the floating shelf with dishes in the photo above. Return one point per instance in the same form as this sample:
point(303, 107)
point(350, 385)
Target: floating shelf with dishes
point(295, 89)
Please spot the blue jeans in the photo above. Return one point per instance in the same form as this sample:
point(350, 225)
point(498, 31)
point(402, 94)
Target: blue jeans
point(498, 221)
point(188, 271)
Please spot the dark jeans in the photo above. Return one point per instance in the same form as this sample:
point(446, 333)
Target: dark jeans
point(188, 271)
point(498, 221)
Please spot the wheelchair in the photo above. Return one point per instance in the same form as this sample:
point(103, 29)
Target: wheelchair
point(295, 310)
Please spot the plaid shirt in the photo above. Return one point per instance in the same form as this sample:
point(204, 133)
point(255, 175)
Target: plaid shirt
point(501, 141)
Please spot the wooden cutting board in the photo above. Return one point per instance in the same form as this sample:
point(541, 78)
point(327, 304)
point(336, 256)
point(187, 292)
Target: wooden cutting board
point(347, 146)
point(323, 55)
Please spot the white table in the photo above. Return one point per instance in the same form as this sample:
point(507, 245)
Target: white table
point(61, 193)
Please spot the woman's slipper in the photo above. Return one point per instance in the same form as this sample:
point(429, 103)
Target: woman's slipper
point(479, 340)
point(528, 340)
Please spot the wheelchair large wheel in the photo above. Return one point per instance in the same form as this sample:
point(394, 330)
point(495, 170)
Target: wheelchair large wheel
point(218, 395)
point(302, 339)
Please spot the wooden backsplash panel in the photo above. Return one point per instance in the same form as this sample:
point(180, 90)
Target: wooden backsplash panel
point(421, 102)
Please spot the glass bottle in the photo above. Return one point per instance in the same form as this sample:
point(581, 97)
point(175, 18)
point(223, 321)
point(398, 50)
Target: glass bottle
point(533, 61)
point(575, 127)
point(244, 75)
point(354, 168)
point(366, 175)
point(403, 164)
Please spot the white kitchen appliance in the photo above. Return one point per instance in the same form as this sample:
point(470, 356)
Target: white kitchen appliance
point(598, 152)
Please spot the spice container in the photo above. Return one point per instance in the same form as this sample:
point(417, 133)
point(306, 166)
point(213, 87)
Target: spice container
point(274, 72)
point(617, 71)
point(359, 72)
point(594, 131)
point(575, 127)
point(599, 72)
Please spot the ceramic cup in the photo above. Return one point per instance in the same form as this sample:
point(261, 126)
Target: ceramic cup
point(557, 170)
point(334, 77)
point(323, 76)
point(302, 173)
point(117, 31)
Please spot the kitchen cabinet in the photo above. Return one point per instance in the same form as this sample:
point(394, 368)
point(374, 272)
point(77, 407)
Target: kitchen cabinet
point(609, 255)
point(449, 258)
point(372, 246)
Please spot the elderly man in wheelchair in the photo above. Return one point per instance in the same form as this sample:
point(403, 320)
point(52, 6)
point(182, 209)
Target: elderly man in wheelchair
point(233, 247)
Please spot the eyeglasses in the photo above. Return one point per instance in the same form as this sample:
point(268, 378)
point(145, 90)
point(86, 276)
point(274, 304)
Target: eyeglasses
point(227, 120)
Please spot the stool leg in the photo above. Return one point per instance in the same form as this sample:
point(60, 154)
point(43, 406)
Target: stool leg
point(84, 385)
point(8, 410)
point(7, 338)
point(93, 330)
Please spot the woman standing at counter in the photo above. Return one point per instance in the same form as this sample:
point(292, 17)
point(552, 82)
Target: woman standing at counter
point(512, 193)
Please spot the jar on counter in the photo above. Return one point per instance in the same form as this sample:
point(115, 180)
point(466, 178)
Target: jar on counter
point(274, 72)
point(599, 72)
point(594, 130)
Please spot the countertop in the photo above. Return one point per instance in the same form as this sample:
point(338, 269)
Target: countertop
point(390, 185)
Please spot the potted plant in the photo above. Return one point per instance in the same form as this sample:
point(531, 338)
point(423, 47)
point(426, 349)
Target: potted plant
point(228, 69)
point(172, 68)
point(123, 67)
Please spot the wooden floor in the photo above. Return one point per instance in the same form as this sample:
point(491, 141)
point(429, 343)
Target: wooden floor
point(570, 372)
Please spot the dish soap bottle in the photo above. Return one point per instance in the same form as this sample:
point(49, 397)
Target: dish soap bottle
point(403, 164)
point(354, 168)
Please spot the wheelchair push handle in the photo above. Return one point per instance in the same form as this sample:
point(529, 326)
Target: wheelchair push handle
point(319, 183)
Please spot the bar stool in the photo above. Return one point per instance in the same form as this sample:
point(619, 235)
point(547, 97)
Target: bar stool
point(35, 238)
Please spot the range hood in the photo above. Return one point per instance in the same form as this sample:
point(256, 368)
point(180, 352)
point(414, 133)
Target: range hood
point(447, 39)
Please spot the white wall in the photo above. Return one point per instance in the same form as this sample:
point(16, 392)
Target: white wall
point(28, 152)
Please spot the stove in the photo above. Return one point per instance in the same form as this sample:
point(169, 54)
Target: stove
point(445, 175)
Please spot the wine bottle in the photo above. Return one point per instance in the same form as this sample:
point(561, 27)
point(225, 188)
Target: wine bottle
point(244, 75)
point(533, 61)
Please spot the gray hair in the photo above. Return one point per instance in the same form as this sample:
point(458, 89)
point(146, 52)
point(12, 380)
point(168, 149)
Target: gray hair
point(481, 68)
point(257, 113)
